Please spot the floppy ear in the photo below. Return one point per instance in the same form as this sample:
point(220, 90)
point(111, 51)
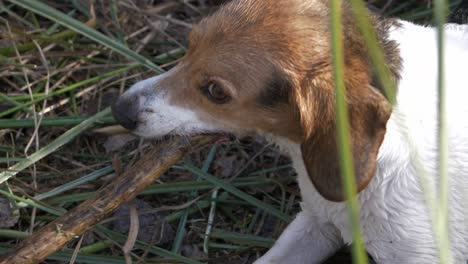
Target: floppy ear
point(369, 112)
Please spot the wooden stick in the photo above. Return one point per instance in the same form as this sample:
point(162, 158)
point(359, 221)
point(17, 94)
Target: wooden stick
point(109, 198)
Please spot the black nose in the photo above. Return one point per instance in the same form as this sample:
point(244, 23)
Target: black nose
point(125, 111)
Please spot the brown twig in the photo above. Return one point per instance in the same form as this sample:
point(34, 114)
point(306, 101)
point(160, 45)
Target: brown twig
point(122, 189)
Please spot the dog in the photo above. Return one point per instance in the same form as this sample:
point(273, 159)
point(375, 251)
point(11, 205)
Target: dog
point(265, 67)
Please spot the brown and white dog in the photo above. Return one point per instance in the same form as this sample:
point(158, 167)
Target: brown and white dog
point(264, 66)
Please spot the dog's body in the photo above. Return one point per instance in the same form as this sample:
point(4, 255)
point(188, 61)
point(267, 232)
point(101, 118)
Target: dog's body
point(246, 71)
point(394, 217)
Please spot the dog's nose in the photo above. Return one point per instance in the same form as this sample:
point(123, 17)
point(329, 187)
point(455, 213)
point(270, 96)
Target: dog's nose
point(125, 111)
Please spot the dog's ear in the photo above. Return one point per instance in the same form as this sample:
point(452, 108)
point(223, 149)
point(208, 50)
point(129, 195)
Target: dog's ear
point(369, 112)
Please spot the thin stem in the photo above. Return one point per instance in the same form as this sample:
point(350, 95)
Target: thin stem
point(440, 14)
point(348, 177)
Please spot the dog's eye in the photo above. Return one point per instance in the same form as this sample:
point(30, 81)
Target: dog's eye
point(216, 93)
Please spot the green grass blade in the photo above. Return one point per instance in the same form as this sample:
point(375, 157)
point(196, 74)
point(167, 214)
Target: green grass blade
point(54, 145)
point(8, 233)
point(15, 99)
point(375, 50)
point(180, 234)
point(233, 190)
point(65, 255)
point(70, 185)
point(50, 122)
point(346, 157)
point(442, 223)
point(96, 247)
point(79, 27)
point(12, 101)
point(226, 246)
point(31, 203)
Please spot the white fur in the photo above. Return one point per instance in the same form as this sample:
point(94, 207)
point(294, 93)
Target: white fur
point(157, 116)
point(394, 216)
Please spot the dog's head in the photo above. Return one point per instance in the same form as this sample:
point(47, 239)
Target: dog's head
point(265, 67)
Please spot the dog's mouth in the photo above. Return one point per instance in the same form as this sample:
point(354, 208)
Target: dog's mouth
point(133, 126)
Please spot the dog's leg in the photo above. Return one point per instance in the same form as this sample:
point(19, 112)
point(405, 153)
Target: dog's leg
point(304, 241)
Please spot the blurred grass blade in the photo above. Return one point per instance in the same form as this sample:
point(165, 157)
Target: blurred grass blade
point(375, 50)
point(54, 145)
point(79, 27)
point(346, 158)
point(442, 223)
